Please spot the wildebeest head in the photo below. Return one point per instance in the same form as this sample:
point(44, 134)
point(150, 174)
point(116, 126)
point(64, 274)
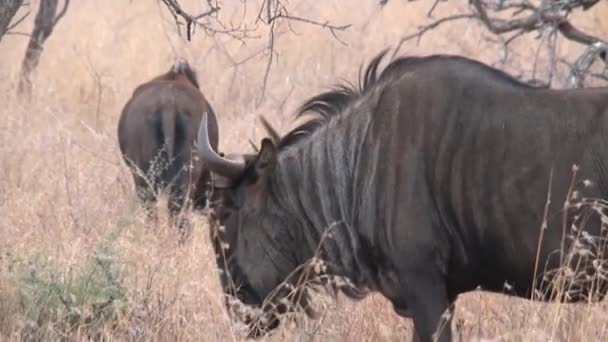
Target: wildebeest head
point(236, 240)
point(254, 241)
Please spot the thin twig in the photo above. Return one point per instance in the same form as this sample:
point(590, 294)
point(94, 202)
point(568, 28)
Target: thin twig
point(424, 29)
point(271, 53)
point(62, 12)
point(191, 20)
point(10, 33)
point(18, 21)
point(430, 13)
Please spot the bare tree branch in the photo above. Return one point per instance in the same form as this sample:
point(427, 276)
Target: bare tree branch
point(529, 23)
point(58, 17)
point(424, 29)
point(271, 53)
point(18, 21)
point(271, 13)
point(572, 33)
point(327, 25)
point(206, 20)
point(15, 33)
point(550, 18)
point(430, 12)
point(275, 10)
point(45, 22)
point(580, 68)
point(8, 9)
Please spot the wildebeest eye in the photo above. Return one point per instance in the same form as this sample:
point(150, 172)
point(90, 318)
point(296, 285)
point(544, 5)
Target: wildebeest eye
point(224, 214)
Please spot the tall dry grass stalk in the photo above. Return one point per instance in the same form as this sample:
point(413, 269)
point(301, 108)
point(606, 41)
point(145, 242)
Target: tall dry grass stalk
point(76, 257)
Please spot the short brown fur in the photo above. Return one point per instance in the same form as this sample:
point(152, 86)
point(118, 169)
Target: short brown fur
point(157, 132)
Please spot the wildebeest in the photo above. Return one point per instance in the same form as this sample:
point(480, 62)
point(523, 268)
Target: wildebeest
point(156, 133)
point(438, 175)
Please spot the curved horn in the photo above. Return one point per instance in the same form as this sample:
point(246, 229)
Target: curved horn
point(274, 135)
point(229, 168)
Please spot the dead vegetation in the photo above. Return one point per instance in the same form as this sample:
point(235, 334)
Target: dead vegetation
point(76, 259)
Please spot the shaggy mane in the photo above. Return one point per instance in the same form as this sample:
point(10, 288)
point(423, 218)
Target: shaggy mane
point(330, 104)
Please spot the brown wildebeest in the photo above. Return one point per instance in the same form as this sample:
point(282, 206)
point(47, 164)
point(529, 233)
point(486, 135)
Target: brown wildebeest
point(157, 133)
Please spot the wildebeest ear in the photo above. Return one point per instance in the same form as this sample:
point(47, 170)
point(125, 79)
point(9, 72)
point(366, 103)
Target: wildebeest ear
point(266, 157)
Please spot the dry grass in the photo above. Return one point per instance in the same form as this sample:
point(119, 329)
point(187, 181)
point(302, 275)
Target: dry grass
point(73, 245)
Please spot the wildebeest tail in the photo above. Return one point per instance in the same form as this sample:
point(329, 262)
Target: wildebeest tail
point(168, 128)
point(174, 175)
point(180, 66)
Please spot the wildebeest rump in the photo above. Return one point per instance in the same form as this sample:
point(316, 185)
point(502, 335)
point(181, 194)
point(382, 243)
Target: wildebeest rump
point(438, 175)
point(156, 134)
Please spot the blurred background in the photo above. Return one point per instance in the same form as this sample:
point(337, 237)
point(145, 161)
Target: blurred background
point(76, 259)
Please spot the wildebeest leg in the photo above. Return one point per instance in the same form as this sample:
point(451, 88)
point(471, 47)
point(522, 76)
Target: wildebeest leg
point(429, 306)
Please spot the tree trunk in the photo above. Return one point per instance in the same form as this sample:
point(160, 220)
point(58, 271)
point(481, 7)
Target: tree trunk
point(45, 21)
point(8, 9)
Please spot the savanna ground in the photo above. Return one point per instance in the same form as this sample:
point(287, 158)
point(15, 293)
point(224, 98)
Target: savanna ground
point(76, 259)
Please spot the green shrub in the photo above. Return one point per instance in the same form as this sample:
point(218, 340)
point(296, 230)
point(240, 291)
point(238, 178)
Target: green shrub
point(55, 303)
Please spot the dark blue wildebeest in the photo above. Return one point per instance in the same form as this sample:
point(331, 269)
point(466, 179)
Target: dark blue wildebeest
point(157, 132)
point(437, 175)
